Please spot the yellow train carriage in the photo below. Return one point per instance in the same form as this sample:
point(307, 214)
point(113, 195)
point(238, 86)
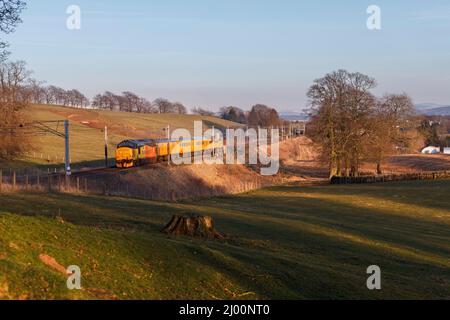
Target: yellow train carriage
point(183, 147)
point(162, 149)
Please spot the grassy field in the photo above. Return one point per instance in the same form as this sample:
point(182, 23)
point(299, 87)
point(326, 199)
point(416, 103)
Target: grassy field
point(87, 133)
point(287, 242)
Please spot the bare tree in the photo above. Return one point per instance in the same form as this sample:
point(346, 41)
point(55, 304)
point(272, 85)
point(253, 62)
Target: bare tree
point(163, 105)
point(342, 109)
point(74, 98)
point(51, 95)
point(146, 106)
point(203, 112)
point(179, 108)
point(99, 102)
point(61, 96)
point(9, 18)
point(130, 101)
point(14, 97)
point(234, 114)
point(37, 90)
point(110, 101)
point(391, 124)
point(262, 115)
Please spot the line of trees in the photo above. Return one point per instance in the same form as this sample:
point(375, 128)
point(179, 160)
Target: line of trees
point(127, 101)
point(259, 115)
point(353, 126)
point(55, 95)
point(131, 102)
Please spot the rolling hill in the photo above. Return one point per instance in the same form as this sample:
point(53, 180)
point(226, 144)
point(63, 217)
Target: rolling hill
point(431, 109)
point(87, 133)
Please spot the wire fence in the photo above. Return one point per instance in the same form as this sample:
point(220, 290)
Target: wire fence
point(53, 179)
point(117, 185)
point(432, 175)
point(13, 180)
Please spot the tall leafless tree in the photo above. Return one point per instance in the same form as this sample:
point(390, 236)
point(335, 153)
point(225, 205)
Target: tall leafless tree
point(263, 116)
point(163, 105)
point(14, 97)
point(342, 106)
point(352, 126)
point(392, 124)
point(10, 11)
point(234, 114)
point(179, 108)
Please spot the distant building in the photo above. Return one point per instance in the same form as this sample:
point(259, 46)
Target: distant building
point(431, 150)
point(446, 150)
point(297, 128)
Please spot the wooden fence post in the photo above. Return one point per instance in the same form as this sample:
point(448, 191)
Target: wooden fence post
point(38, 182)
point(14, 180)
point(67, 183)
point(1, 180)
point(78, 184)
point(26, 182)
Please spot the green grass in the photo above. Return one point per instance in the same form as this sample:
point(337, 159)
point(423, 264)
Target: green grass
point(288, 242)
point(87, 139)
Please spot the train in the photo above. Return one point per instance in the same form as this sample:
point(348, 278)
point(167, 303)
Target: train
point(134, 153)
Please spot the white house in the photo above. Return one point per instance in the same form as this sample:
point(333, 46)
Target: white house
point(446, 150)
point(431, 150)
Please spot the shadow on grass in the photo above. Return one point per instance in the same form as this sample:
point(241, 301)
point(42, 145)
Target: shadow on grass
point(285, 247)
point(427, 193)
point(424, 163)
point(374, 228)
point(115, 213)
point(297, 260)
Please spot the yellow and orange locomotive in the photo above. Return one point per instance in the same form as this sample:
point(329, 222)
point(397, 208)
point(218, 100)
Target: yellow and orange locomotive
point(133, 153)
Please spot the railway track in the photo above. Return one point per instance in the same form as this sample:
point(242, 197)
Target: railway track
point(97, 171)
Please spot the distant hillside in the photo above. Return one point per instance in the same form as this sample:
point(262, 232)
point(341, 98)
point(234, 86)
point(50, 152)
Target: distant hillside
point(429, 109)
point(293, 116)
point(443, 111)
point(432, 109)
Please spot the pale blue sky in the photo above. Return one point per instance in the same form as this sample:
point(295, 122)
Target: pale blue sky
point(236, 52)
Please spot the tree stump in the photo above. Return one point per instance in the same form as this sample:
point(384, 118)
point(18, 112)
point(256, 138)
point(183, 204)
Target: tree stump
point(194, 226)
